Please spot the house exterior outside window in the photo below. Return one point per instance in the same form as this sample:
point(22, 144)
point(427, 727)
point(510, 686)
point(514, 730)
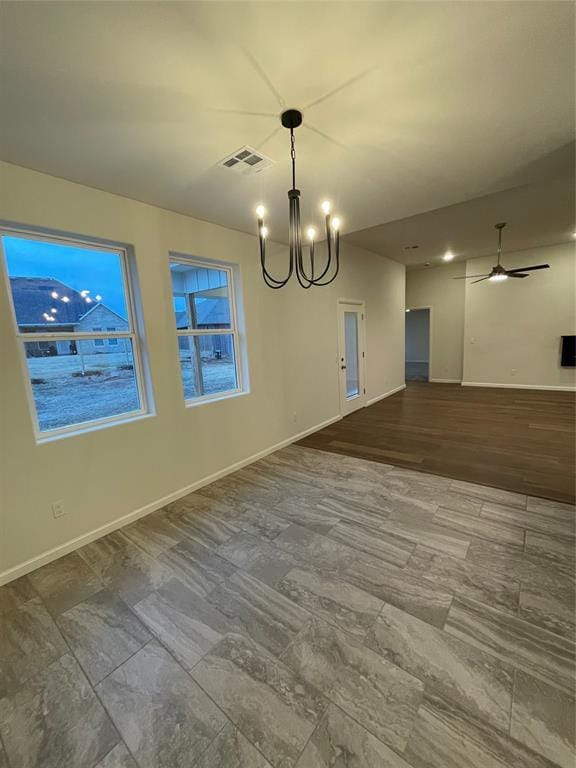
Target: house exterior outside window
point(75, 321)
point(210, 344)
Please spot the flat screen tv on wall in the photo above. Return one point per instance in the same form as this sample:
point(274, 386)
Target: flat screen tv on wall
point(568, 352)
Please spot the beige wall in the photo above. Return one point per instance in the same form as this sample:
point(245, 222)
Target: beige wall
point(292, 346)
point(435, 288)
point(512, 329)
point(505, 333)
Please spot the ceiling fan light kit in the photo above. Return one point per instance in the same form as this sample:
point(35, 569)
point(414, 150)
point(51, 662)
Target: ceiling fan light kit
point(498, 273)
point(291, 119)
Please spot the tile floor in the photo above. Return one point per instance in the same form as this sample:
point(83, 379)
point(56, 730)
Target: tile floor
point(311, 611)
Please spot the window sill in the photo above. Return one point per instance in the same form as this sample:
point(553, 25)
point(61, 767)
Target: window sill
point(42, 439)
point(215, 398)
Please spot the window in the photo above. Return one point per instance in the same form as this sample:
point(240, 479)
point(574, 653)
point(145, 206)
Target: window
point(63, 291)
point(98, 342)
point(207, 328)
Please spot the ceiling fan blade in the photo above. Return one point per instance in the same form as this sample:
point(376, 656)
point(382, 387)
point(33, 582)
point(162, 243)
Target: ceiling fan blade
point(467, 277)
point(516, 274)
point(481, 279)
point(528, 269)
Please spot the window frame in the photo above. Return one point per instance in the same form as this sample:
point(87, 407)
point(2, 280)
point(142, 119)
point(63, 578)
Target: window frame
point(235, 329)
point(134, 333)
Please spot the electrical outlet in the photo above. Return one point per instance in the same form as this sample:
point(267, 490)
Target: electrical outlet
point(58, 508)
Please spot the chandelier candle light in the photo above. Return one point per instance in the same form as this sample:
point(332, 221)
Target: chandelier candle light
point(291, 119)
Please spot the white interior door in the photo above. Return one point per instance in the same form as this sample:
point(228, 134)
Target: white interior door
point(351, 356)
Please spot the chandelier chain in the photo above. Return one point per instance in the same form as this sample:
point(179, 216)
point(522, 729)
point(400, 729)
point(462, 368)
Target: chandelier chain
point(293, 156)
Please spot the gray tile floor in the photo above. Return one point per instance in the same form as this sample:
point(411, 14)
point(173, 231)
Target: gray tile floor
point(311, 610)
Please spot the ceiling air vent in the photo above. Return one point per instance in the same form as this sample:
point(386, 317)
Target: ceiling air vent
point(247, 161)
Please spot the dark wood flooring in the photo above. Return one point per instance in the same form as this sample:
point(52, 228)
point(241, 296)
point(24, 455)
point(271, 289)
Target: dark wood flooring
point(519, 440)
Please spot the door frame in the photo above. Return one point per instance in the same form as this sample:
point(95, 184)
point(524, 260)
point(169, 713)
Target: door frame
point(360, 399)
point(430, 321)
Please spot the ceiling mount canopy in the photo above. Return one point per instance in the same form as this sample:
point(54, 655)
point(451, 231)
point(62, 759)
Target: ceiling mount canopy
point(498, 273)
point(306, 276)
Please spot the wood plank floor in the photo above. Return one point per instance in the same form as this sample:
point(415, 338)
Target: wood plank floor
point(518, 440)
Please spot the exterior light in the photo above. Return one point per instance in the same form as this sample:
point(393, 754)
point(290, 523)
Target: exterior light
point(54, 295)
point(98, 297)
point(65, 299)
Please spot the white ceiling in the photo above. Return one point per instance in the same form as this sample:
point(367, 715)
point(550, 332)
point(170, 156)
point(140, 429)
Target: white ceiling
point(409, 106)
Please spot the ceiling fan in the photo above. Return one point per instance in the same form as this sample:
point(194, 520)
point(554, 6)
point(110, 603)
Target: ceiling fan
point(498, 272)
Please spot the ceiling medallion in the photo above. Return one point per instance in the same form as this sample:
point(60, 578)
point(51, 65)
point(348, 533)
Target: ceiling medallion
point(291, 119)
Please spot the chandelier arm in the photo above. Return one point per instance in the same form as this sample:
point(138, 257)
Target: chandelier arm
point(312, 259)
point(268, 278)
point(326, 269)
point(301, 275)
point(328, 238)
point(335, 275)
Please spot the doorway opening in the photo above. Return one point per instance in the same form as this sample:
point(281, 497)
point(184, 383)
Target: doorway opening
point(417, 340)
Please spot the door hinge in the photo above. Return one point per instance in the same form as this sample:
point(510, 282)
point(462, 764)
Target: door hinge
point(363, 354)
point(362, 315)
point(364, 390)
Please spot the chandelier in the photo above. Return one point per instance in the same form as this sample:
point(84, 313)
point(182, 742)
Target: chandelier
point(309, 276)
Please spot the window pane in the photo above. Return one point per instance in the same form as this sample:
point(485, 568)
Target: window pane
point(351, 344)
point(201, 297)
point(208, 364)
point(78, 381)
point(64, 288)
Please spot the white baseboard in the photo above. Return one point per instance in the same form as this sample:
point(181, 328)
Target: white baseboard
point(120, 522)
point(386, 394)
point(517, 386)
point(445, 381)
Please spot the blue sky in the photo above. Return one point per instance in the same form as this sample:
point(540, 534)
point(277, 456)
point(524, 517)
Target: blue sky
point(100, 272)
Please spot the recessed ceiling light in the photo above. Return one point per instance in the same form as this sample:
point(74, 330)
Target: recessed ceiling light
point(448, 256)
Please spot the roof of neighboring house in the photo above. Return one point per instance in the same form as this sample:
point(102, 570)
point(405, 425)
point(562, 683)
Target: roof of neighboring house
point(32, 298)
point(214, 311)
